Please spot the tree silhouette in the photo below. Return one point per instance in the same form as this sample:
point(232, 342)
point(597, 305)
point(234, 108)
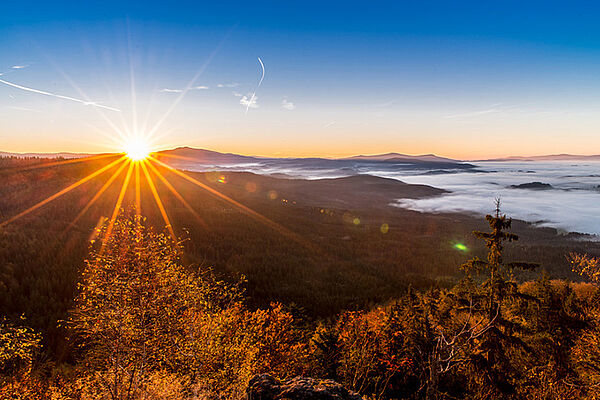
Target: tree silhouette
point(494, 347)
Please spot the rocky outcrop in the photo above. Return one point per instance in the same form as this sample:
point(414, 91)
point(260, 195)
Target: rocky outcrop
point(265, 387)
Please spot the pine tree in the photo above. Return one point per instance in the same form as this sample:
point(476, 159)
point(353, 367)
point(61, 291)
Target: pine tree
point(499, 342)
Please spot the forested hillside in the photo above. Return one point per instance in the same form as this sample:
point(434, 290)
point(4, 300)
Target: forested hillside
point(373, 297)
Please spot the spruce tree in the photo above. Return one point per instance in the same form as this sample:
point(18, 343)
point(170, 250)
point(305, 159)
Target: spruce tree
point(490, 299)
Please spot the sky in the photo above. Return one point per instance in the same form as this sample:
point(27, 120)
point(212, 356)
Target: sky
point(464, 79)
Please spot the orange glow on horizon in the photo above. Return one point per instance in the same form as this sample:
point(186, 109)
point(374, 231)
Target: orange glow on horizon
point(456, 151)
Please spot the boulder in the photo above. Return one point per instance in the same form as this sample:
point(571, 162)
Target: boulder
point(265, 387)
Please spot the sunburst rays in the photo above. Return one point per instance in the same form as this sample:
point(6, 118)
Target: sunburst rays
point(119, 202)
point(157, 199)
point(139, 165)
point(140, 174)
point(62, 192)
point(98, 194)
point(248, 211)
point(177, 195)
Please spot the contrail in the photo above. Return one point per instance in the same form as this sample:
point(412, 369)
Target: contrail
point(263, 72)
point(87, 103)
point(259, 83)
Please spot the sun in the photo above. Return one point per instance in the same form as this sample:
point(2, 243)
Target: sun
point(137, 150)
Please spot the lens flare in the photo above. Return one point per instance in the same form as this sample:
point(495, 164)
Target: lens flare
point(461, 247)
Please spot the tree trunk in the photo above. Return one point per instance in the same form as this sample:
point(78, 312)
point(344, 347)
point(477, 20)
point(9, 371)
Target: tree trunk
point(432, 392)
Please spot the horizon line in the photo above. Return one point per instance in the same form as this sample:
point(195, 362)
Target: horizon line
point(8, 153)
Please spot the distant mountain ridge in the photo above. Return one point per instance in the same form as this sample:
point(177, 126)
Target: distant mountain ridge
point(393, 156)
point(187, 158)
point(206, 156)
point(550, 157)
point(45, 155)
point(214, 156)
point(210, 157)
point(184, 157)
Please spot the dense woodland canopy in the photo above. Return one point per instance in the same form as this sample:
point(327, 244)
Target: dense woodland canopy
point(399, 314)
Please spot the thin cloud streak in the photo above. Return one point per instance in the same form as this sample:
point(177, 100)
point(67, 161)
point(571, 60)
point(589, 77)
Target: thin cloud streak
point(472, 114)
point(24, 109)
point(169, 90)
point(58, 96)
point(494, 108)
point(386, 104)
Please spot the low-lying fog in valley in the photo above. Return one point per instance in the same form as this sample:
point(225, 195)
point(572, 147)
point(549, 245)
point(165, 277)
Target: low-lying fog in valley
point(570, 203)
point(559, 194)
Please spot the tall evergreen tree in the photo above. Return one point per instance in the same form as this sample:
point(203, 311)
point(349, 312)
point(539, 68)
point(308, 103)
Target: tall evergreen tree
point(500, 343)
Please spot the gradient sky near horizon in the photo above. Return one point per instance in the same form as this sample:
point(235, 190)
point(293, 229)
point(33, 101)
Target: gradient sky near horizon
point(466, 79)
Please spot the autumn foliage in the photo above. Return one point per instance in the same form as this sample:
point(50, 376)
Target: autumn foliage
point(146, 326)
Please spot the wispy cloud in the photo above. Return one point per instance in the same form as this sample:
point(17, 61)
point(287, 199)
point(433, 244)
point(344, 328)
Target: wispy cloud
point(288, 105)
point(58, 96)
point(169, 90)
point(228, 85)
point(249, 102)
point(494, 108)
point(24, 109)
point(472, 113)
point(384, 105)
point(327, 125)
point(14, 68)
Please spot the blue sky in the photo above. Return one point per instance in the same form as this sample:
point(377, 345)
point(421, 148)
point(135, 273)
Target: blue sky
point(463, 79)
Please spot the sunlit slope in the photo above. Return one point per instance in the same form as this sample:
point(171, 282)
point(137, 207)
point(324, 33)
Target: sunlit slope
point(339, 245)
